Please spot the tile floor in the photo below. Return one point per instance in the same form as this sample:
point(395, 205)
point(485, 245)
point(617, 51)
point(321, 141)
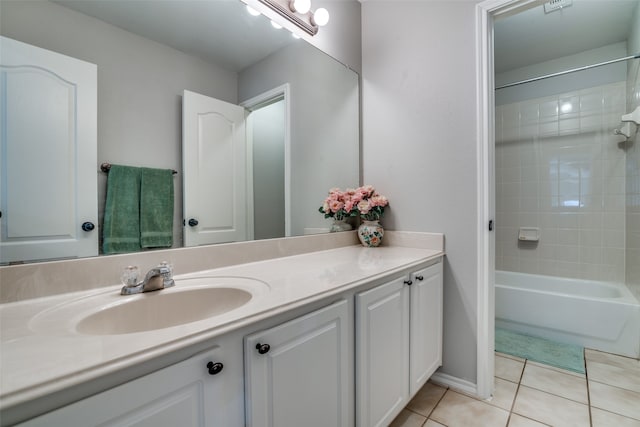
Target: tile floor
point(529, 394)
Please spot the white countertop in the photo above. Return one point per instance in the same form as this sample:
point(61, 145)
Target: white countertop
point(38, 358)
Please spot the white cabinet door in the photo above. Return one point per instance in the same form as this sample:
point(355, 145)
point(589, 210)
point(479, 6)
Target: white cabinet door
point(382, 353)
point(426, 325)
point(214, 156)
point(184, 395)
point(48, 161)
point(300, 373)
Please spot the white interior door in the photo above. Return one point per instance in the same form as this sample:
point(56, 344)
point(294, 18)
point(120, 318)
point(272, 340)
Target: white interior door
point(48, 175)
point(215, 170)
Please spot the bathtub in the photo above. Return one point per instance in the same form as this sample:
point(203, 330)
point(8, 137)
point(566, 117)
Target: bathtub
point(597, 315)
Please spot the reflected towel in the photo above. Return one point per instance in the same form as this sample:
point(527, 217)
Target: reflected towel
point(121, 226)
point(156, 208)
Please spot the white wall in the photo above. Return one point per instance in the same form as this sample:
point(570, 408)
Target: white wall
point(322, 156)
point(419, 143)
point(140, 86)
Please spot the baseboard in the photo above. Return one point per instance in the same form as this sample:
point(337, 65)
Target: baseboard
point(455, 383)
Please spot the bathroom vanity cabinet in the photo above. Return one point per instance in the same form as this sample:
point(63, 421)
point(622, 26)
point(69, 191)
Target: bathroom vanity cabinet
point(353, 357)
point(195, 392)
point(398, 343)
point(300, 373)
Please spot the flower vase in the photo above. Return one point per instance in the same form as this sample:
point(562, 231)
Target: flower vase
point(370, 233)
point(340, 225)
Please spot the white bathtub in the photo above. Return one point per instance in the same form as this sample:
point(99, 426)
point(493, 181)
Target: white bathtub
point(598, 315)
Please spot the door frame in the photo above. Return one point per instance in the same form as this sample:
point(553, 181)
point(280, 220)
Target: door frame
point(486, 12)
point(255, 103)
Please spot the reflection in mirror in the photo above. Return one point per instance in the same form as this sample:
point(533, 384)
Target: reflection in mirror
point(147, 54)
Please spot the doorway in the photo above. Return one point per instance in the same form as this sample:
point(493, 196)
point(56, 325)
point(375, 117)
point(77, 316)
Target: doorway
point(567, 192)
point(268, 159)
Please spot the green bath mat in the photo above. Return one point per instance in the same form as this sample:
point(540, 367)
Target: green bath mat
point(565, 356)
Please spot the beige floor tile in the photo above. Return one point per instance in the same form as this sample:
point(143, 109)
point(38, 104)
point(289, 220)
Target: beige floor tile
point(457, 410)
point(426, 399)
point(601, 418)
point(431, 423)
point(504, 393)
point(520, 421)
point(408, 419)
point(627, 378)
point(550, 409)
point(614, 399)
point(555, 382)
point(611, 359)
point(554, 368)
point(508, 356)
point(508, 369)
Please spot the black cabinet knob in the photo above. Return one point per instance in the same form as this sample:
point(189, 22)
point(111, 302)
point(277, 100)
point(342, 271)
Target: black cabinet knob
point(214, 368)
point(420, 278)
point(193, 222)
point(408, 282)
point(87, 226)
point(263, 348)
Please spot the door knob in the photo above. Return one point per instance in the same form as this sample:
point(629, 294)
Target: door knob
point(214, 368)
point(193, 222)
point(87, 226)
point(263, 348)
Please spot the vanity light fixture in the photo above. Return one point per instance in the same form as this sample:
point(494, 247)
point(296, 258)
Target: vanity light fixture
point(300, 6)
point(320, 17)
point(252, 11)
point(300, 14)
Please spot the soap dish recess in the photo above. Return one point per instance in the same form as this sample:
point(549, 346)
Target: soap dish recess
point(529, 234)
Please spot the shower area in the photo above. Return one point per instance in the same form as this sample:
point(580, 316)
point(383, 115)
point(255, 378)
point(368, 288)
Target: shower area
point(567, 173)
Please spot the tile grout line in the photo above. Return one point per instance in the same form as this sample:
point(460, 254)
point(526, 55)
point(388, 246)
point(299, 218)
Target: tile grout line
point(586, 376)
point(515, 396)
point(432, 410)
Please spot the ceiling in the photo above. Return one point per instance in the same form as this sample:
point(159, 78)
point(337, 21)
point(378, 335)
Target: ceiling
point(532, 36)
point(218, 31)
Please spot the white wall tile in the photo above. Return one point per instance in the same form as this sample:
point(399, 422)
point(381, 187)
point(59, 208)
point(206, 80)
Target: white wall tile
point(570, 180)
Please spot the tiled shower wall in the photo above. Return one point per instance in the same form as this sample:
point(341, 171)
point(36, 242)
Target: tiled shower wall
point(559, 167)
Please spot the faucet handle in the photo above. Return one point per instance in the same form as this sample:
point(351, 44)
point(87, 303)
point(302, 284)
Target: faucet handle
point(129, 275)
point(166, 269)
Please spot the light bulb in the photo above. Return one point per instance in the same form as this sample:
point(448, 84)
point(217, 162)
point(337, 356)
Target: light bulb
point(300, 6)
point(252, 11)
point(276, 25)
point(320, 17)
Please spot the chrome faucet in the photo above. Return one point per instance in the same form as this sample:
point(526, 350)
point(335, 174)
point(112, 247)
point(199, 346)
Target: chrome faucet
point(157, 278)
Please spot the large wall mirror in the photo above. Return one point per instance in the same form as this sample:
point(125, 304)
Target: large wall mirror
point(301, 107)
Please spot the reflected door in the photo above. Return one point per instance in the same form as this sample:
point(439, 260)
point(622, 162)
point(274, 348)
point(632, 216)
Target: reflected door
point(215, 170)
point(48, 165)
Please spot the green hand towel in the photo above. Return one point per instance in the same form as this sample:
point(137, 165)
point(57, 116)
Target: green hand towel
point(121, 227)
point(156, 208)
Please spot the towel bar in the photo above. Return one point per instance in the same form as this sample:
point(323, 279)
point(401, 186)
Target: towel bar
point(105, 167)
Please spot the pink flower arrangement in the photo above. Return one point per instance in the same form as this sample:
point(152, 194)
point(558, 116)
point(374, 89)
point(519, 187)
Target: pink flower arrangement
point(363, 201)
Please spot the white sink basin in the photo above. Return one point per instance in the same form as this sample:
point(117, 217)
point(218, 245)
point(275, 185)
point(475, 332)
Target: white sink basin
point(190, 300)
